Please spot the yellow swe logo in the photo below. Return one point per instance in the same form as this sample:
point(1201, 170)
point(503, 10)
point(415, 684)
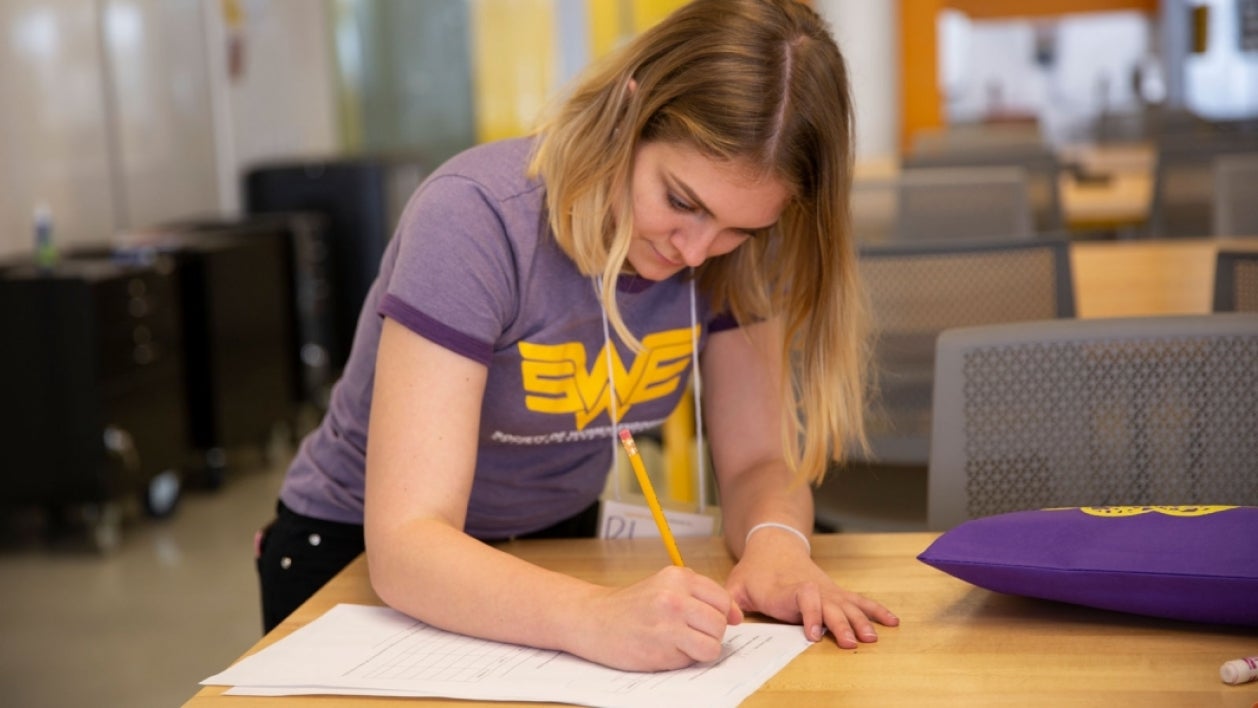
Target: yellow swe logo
point(561, 379)
point(1114, 511)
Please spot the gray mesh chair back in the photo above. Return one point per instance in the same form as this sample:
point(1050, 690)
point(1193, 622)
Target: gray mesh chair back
point(1124, 411)
point(1236, 194)
point(916, 292)
point(1183, 183)
point(963, 204)
point(1236, 281)
point(1036, 159)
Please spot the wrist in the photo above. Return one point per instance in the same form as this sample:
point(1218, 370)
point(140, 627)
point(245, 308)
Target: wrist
point(780, 529)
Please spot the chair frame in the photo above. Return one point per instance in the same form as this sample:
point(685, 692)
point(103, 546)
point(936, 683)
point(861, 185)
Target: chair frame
point(907, 449)
point(1232, 169)
point(916, 182)
point(947, 496)
point(1227, 265)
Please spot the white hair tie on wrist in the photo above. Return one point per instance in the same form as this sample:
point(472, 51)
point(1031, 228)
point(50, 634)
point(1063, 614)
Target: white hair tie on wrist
point(784, 527)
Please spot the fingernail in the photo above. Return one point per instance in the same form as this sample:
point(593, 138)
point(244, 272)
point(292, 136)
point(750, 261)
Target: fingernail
point(869, 636)
point(816, 632)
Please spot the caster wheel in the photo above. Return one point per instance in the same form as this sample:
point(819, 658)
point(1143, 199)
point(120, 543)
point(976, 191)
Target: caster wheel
point(104, 526)
point(163, 493)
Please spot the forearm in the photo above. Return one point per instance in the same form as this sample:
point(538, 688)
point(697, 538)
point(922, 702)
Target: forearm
point(764, 493)
point(440, 575)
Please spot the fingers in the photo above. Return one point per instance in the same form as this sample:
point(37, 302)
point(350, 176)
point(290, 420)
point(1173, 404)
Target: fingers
point(700, 647)
point(706, 608)
point(879, 613)
point(706, 619)
point(839, 624)
point(850, 620)
point(808, 597)
point(712, 594)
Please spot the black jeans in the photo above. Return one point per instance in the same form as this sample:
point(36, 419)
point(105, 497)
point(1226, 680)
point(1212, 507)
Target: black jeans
point(296, 555)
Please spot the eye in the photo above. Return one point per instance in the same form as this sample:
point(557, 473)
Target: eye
point(677, 204)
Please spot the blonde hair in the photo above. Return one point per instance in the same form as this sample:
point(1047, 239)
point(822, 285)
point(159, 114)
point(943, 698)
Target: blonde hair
point(761, 82)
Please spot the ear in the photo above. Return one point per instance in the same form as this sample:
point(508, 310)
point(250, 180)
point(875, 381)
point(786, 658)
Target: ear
point(633, 85)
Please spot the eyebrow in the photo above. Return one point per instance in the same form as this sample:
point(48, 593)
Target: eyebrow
point(690, 194)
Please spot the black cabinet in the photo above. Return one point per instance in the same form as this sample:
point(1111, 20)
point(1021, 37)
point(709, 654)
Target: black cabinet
point(92, 381)
point(361, 199)
point(304, 275)
point(239, 340)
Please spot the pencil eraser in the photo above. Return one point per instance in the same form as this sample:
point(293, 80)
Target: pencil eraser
point(1239, 671)
point(625, 435)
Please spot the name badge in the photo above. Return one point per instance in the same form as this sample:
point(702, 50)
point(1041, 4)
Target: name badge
point(618, 519)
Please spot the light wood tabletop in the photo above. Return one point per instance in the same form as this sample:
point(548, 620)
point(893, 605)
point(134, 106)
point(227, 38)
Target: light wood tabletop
point(957, 645)
point(1119, 195)
point(1148, 277)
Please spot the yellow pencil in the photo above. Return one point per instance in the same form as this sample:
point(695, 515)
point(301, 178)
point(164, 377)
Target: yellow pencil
point(626, 439)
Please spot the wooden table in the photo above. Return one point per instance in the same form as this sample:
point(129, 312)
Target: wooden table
point(957, 645)
point(1148, 277)
point(1121, 196)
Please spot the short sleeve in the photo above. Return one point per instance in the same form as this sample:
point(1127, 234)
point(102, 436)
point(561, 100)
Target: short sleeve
point(455, 280)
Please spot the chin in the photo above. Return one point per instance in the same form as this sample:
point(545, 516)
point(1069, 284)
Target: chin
point(654, 268)
point(655, 273)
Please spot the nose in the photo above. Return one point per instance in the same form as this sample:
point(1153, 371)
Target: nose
point(694, 244)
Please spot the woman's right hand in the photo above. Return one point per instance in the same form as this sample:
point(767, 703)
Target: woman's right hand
point(670, 620)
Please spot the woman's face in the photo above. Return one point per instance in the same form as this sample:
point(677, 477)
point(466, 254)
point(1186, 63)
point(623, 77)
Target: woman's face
point(688, 207)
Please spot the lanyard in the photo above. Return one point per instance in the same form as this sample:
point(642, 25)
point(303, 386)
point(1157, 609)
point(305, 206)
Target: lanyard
point(696, 384)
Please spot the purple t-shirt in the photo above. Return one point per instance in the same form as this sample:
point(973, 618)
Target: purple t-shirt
point(473, 267)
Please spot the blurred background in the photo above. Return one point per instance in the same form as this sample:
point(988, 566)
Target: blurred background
point(197, 192)
point(126, 113)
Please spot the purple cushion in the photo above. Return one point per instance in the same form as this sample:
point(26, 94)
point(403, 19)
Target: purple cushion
point(1197, 563)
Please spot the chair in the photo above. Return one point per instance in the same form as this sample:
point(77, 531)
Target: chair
point(1236, 194)
point(1236, 281)
point(1183, 182)
point(999, 148)
point(1123, 411)
point(915, 293)
point(963, 204)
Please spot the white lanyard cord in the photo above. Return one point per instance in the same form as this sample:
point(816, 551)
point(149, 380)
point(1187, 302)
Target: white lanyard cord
point(611, 387)
point(697, 388)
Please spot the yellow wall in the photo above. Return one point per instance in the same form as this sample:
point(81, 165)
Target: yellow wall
point(515, 48)
point(513, 57)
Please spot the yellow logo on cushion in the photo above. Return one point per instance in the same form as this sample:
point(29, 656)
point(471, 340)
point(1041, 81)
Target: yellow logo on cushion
point(558, 378)
point(1115, 511)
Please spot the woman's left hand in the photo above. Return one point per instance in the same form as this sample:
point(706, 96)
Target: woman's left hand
point(775, 577)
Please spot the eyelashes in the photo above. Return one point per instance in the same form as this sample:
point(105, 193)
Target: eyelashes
point(679, 205)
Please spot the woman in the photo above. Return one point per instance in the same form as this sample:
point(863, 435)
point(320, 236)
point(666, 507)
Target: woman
point(691, 192)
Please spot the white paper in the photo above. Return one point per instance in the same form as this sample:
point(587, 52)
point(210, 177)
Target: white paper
point(371, 650)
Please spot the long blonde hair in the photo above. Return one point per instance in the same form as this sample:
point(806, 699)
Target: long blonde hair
point(761, 82)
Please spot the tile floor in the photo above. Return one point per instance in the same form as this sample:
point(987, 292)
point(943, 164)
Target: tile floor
point(176, 602)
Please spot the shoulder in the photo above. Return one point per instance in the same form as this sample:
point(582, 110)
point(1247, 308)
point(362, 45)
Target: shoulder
point(481, 191)
point(498, 170)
